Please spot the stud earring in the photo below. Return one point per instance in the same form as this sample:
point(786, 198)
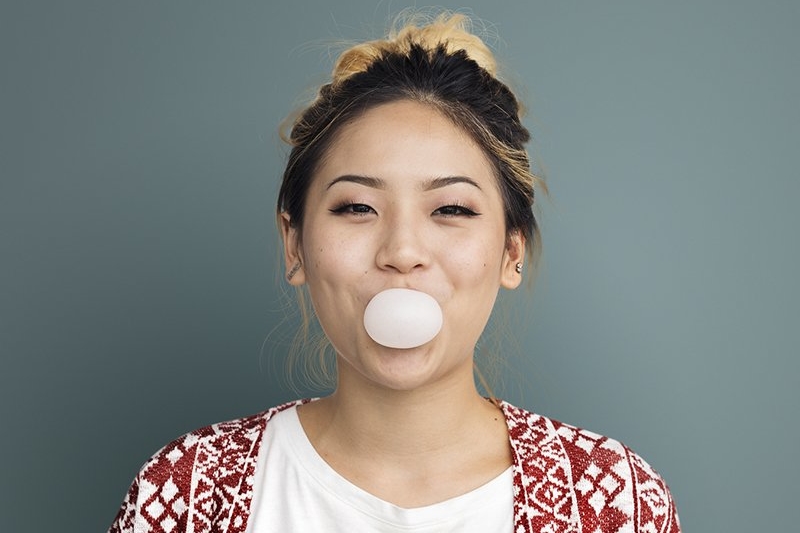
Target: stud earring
point(518, 268)
point(293, 271)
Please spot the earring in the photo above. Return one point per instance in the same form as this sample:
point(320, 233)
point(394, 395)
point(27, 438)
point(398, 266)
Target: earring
point(518, 268)
point(293, 271)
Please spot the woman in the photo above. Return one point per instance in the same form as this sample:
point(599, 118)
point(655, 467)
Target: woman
point(407, 172)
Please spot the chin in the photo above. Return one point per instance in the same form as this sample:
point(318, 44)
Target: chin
point(406, 370)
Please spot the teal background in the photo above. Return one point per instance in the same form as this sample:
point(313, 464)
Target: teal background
point(139, 276)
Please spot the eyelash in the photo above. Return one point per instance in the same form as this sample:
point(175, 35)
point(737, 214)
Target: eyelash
point(447, 211)
point(349, 208)
point(460, 210)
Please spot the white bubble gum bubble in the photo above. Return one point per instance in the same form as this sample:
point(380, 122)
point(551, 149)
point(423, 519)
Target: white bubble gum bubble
point(402, 318)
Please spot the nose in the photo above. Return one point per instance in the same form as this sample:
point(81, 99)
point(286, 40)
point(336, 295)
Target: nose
point(404, 247)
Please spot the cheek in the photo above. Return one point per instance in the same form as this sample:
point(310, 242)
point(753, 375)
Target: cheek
point(474, 259)
point(332, 256)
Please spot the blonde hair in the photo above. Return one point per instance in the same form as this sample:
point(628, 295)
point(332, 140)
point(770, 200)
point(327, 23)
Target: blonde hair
point(453, 30)
point(436, 61)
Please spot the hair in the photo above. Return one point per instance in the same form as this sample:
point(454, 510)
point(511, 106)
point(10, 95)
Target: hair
point(439, 63)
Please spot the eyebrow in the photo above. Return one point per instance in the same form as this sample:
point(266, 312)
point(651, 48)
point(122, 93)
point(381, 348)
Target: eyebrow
point(438, 183)
point(427, 185)
point(367, 181)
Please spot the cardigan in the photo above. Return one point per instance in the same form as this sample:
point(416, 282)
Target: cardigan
point(565, 480)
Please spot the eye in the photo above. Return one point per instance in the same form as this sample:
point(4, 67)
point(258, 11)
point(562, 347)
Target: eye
point(455, 210)
point(352, 208)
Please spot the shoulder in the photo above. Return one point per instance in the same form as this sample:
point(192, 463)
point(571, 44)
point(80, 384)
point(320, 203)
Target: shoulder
point(216, 445)
point(212, 465)
point(609, 484)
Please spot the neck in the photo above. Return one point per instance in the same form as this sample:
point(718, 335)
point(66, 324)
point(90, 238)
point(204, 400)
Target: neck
point(410, 447)
point(387, 424)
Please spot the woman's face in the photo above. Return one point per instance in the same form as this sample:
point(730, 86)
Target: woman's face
point(403, 198)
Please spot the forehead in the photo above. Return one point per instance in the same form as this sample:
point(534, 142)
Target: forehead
point(408, 138)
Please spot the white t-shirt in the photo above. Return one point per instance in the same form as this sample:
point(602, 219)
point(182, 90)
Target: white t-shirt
point(295, 490)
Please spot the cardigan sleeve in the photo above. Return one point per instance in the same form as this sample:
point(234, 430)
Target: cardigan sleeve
point(615, 488)
point(656, 507)
point(571, 479)
point(201, 482)
point(123, 522)
point(158, 499)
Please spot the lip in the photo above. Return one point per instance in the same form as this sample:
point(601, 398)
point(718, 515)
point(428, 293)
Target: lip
point(409, 287)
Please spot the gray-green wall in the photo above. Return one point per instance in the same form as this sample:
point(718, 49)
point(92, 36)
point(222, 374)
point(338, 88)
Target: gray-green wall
point(138, 168)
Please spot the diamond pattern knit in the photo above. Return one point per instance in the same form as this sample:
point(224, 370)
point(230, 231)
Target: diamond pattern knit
point(565, 480)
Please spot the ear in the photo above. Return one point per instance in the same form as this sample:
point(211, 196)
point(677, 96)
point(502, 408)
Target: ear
point(291, 251)
point(513, 256)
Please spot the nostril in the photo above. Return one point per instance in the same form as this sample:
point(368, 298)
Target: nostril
point(402, 250)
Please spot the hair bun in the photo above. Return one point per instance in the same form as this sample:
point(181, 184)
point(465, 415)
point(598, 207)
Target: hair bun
point(453, 30)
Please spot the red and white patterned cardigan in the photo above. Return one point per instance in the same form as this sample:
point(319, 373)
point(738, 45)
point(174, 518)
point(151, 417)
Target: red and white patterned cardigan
point(565, 480)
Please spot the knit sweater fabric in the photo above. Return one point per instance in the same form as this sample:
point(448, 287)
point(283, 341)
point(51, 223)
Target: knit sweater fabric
point(565, 480)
